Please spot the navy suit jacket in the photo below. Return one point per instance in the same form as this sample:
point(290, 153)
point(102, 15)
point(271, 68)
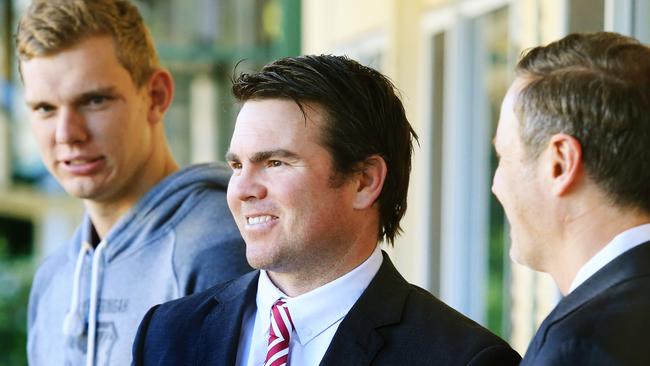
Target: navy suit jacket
point(604, 321)
point(392, 323)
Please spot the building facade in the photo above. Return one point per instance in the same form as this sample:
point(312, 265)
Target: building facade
point(452, 61)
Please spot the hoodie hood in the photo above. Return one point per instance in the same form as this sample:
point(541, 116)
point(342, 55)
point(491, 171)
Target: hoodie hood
point(179, 238)
point(154, 214)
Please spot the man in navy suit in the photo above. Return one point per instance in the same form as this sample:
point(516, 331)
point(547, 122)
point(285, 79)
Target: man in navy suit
point(574, 179)
point(321, 158)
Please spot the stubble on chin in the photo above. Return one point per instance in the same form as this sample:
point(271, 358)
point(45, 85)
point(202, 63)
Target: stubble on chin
point(259, 257)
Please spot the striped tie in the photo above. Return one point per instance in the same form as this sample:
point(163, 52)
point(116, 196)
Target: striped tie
point(277, 353)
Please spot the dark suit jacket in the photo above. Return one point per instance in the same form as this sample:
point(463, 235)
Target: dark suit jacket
point(392, 323)
point(604, 321)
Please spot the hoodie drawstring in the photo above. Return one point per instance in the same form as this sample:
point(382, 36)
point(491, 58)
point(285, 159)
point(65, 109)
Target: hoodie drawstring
point(92, 312)
point(73, 323)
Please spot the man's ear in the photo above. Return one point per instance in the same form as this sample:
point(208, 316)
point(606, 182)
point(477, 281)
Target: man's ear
point(161, 93)
point(565, 162)
point(370, 181)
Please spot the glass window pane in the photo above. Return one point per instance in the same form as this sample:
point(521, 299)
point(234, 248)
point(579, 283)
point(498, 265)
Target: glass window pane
point(492, 32)
point(641, 14)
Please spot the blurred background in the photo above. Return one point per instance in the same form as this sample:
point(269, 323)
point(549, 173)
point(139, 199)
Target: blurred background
point(451, 60)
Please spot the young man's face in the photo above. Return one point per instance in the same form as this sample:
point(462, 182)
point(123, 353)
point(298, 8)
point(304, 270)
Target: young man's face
point(89, 119)
point(281, 192)
point(517, 186)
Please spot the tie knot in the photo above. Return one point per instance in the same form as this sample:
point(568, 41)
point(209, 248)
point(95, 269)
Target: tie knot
point(280, 313)
point(279, 303)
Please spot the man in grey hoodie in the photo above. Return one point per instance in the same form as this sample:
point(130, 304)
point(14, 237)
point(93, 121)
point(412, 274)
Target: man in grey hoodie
point(97, 96)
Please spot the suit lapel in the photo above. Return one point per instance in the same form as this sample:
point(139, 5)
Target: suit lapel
point(219, 335)
point(358, 338)
point(628, 265)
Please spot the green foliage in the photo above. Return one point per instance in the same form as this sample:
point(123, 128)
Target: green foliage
point(496, 290)
point(15, 280)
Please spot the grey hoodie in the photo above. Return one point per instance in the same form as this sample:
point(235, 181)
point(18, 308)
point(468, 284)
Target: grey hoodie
point(180, 238)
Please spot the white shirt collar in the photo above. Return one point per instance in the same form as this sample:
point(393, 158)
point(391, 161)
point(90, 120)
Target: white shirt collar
point(315, 311)
point(621, 243)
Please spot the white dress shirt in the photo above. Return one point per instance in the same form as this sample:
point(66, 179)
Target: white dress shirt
point(621, 243)
point(316, 315)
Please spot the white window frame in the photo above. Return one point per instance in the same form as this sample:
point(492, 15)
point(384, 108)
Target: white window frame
point(366, 48)
point(622, 15)
point(465, 171)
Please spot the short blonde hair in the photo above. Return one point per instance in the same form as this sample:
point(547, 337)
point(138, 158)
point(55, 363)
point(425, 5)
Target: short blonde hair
point(51, 26)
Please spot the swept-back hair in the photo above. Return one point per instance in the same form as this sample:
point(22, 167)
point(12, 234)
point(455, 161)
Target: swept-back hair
point(596, 88)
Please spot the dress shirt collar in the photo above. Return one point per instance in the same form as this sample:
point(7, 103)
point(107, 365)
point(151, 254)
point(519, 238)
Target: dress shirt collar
point(317, 310)
point(621, 243)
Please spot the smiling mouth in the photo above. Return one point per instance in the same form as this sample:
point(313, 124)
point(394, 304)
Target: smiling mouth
point(256, 220)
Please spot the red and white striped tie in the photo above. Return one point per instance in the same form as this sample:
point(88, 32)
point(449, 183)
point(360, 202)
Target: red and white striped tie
point(277, 353)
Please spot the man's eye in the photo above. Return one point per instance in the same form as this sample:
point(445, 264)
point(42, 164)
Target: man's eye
point(275, 163)
point(235, 165)
point(43, 109)
point(97, 100)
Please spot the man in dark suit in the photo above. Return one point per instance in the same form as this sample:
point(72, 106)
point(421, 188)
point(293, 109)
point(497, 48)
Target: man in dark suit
point(321, 158)
point(574, 179)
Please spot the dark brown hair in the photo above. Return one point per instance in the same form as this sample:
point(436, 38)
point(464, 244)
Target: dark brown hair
point(364, 117)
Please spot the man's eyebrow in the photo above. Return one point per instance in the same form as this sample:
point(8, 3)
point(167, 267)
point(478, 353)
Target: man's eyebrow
point(264, 155)
point(109, 90)
point(32, 104)
point(279, 153)
point(231, 157)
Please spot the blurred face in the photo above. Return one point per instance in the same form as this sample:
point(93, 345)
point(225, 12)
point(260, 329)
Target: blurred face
point(280, 192)
point(89, 119)
point(516, 185)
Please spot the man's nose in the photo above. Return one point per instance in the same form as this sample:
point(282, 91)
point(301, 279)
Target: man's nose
point(70, 127)
point(247, 184)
